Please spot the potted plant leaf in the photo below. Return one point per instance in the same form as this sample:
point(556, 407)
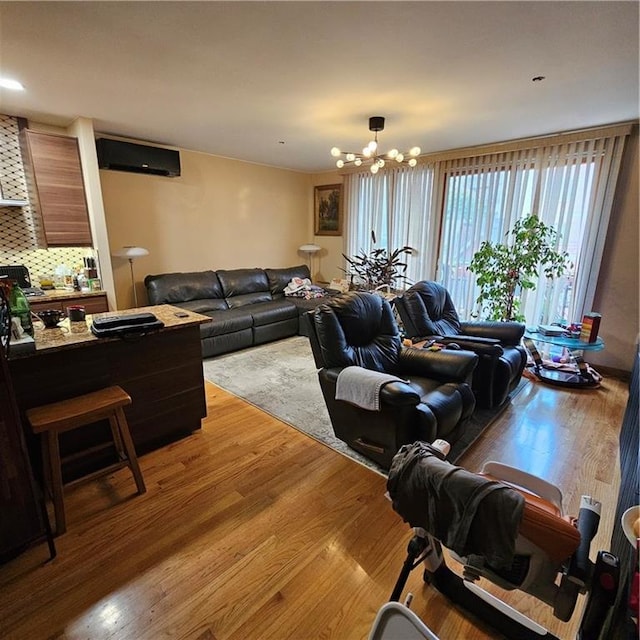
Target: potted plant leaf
point(378, 269)
point(504, 270)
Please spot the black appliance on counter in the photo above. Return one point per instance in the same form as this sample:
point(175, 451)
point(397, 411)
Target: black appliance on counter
point(20, 274)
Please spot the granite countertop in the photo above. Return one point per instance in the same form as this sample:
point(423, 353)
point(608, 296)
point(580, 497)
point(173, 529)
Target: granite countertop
point(76, 334)
point(64, 294)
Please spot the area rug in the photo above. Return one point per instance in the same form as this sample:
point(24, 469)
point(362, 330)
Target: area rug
point(281, 379)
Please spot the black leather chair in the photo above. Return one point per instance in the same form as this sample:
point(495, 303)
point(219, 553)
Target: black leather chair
point(359, 329)
point(427, 311)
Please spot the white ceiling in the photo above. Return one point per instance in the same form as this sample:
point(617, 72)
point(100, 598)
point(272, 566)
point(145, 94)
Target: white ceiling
point(236, 78)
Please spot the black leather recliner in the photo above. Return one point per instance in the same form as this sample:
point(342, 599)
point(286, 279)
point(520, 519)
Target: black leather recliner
point(427, 311)
point(359, 329)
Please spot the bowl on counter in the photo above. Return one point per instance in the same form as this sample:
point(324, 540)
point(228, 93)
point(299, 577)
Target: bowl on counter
point(50, 317)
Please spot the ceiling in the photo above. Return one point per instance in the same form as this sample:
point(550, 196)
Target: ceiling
point(280, 83)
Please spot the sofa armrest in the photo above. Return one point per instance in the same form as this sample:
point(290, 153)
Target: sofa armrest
point(509, 333)
point(482, 346)
point(398, 394)
point(444, 365)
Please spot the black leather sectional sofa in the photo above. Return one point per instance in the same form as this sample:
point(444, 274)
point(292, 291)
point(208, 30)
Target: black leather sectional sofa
point(246, 306)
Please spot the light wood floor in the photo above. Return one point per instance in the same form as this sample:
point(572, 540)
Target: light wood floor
point(251, 530)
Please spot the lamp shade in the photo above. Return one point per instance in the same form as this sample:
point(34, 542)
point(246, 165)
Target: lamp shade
point(130, 252)
point(309, 248)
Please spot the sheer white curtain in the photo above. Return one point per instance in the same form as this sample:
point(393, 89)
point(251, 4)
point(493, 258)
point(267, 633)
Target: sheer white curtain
point(569, 186)
point(397, 205)
point(575, 193)
point(446, 208)
point(483, 198)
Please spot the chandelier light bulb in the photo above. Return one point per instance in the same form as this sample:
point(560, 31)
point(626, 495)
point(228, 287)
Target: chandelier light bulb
point(371, 155)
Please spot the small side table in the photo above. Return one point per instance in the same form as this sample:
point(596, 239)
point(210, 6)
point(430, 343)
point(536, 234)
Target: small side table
point(581, 377)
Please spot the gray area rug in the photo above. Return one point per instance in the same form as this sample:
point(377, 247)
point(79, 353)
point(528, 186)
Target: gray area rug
point(281, 379)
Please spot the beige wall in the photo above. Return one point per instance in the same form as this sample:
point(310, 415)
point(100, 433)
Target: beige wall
point(227, 214)
point(219, 214)
point(618, 288)
point(328, 261)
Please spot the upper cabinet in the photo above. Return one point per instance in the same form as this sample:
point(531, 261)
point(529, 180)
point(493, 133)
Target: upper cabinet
point(56, 187)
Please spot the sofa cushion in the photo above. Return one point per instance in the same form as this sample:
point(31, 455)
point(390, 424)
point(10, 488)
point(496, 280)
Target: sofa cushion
point(270, 312)
point(247, 299)
point(237, 282)
point(226, 321)
point(280, 278)
point(167, 288)
point(203, 306)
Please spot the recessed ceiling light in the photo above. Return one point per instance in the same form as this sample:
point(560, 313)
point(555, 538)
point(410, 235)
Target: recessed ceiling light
point(8, 83)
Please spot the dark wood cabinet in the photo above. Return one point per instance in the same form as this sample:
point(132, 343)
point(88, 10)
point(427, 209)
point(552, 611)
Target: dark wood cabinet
point(56, 188)
point(162, 372)
point(91, 304)
point(21, 513)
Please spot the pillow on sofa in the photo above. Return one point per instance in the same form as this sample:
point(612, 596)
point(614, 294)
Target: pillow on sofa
point(280, 278)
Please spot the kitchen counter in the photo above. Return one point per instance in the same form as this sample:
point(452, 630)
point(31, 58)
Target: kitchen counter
point(65, 294)
point(161, 371)
point(75, 334)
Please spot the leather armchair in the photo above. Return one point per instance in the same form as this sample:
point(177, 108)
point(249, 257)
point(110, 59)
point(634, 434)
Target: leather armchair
point(434, 401)
point(427, 311)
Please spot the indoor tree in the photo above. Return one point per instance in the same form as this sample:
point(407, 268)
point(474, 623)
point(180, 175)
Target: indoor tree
point(504, 270)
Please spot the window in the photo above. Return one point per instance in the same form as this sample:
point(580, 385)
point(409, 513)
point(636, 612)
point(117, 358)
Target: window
point(395, 205)
point(446, 208)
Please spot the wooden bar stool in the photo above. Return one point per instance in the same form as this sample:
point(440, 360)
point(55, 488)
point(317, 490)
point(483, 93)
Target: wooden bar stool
point(52, 419)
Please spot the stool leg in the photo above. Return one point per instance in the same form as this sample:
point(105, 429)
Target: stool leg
point(47, 526)
point(52, 453)
point(117, 440)
point(130, 449)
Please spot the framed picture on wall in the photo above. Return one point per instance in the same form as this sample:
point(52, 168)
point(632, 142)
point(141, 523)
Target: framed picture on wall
point(328, 210)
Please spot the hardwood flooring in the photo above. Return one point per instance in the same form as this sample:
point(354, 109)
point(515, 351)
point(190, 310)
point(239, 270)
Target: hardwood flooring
point(251, 530)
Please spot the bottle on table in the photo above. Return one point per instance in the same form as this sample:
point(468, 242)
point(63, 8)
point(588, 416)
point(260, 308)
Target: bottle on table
point(20, 308)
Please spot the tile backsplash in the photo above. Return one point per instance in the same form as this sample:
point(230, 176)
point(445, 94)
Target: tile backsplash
point(43, 262)
point(19, 243)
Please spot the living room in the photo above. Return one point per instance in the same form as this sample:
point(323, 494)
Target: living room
point(226, 213)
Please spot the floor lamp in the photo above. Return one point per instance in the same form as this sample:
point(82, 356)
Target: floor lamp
point(131, 253)
point(309, 249)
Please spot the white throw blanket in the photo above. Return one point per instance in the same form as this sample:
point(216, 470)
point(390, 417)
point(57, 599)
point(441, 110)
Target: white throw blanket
point(362, 387)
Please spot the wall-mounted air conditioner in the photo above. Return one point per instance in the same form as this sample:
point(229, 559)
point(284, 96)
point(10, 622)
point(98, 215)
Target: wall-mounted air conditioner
point(137, 158)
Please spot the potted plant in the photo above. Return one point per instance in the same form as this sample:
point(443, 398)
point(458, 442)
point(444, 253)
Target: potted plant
point(504, 270)
point(379, 268)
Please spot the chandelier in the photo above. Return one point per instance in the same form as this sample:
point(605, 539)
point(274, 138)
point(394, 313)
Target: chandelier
point(371, 155)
